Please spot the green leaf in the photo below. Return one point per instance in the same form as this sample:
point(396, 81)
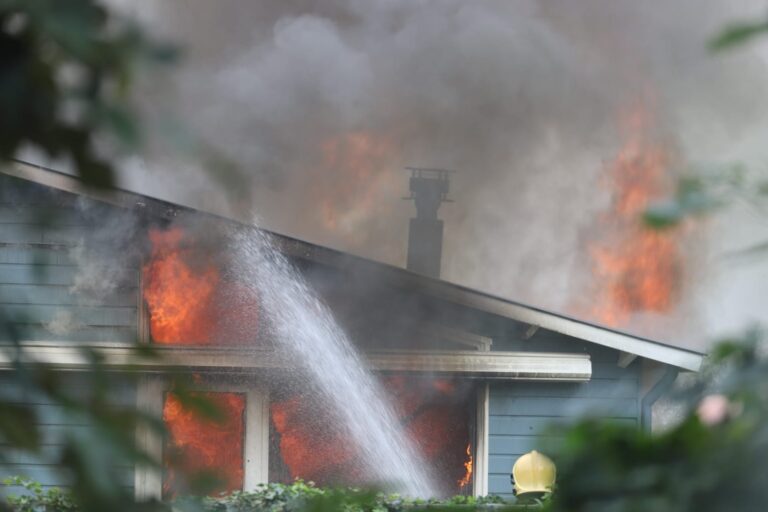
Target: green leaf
point(737, 34)
point(18, 426)
point(663, 215)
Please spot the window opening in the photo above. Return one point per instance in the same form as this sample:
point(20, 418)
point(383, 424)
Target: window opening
point(204, 446)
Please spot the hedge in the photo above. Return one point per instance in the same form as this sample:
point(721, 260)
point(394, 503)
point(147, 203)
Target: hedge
point(297, 497)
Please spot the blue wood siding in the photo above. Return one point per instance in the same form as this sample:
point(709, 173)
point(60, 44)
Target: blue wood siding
point(40, 300)
point(55, 425)
point(520, 413)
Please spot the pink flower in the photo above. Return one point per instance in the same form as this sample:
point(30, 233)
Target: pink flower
point(713, 409)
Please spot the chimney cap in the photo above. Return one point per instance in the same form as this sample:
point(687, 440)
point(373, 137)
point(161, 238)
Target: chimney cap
point(430, 172)
point(432, 182)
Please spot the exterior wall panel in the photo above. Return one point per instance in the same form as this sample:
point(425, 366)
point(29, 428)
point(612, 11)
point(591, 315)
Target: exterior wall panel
point(55, 424)
point(42, 297)
point(520, 414)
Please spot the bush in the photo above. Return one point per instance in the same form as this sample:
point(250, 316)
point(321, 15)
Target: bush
point(299, 496)
point(36, 499)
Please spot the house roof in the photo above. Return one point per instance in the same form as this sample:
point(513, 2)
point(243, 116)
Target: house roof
point(396, 276)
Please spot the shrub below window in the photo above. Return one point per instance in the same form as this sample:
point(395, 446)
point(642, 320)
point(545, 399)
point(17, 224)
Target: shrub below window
point(299, 497)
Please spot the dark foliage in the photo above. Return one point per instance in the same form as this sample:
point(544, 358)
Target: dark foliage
point(66, 70)
point(715, 459)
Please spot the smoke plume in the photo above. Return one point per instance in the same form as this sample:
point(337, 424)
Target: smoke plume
point(323, 103)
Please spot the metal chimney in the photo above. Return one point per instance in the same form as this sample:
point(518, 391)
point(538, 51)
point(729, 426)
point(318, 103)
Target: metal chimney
point(429, 189)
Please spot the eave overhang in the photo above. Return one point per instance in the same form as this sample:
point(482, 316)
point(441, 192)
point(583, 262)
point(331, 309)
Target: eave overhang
point(473, 364)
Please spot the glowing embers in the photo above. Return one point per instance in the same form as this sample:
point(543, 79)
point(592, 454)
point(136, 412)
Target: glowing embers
point(436, 414)
point(188, 299)
point(635, 269)
point(203, 446)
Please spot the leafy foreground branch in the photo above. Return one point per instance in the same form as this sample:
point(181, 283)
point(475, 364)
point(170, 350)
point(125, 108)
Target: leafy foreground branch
point(714, 459)
point(299, 497)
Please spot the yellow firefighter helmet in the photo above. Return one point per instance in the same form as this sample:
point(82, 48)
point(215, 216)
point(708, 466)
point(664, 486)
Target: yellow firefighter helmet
point(533, 473)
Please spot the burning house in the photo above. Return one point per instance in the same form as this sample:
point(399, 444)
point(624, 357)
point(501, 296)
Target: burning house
point(473, 380)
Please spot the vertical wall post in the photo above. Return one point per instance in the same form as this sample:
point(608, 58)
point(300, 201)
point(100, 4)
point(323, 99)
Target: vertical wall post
point(480, 484)
point(256, 440)
point(148, 482)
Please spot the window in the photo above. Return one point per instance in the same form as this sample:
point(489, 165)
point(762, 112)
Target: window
point(286, 437)
point(202, 446)
point(436, 413)
point(236, 448)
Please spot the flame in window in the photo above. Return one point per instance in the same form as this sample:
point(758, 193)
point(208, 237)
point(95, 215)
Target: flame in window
point(468, 467)
point(179, 297)
point(196, 445)
point(189, 301)
point(433, 412)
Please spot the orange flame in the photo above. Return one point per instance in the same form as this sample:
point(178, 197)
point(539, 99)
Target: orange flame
point(636, 269)
point(188, 302)
point(309, 448)
point(468, 467)
point(362, 162)
point(180, 298)
point(204, 445)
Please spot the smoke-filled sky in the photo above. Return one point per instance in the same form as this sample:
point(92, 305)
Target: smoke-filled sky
point(323, 103)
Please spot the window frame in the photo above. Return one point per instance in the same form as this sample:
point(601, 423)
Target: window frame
point(480, 469)
point(148, 482)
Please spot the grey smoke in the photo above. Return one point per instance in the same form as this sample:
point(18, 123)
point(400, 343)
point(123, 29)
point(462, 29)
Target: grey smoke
point(108, 255)
point(63, 323)
point(521, 96)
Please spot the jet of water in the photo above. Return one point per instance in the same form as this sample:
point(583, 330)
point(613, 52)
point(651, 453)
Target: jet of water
point(306, 328)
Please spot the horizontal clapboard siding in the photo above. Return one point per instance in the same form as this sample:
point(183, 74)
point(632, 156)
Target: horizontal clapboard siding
point(42, 234)
point(51, 476)
point(85, 334)
point(555, 407)
point(521, 415)
point(88, 315)
point(61, 295)
point(34, 255)
point(41, 292)
point(13, 273)
point(77, 386)
point(597, 387)
point(55, 425)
